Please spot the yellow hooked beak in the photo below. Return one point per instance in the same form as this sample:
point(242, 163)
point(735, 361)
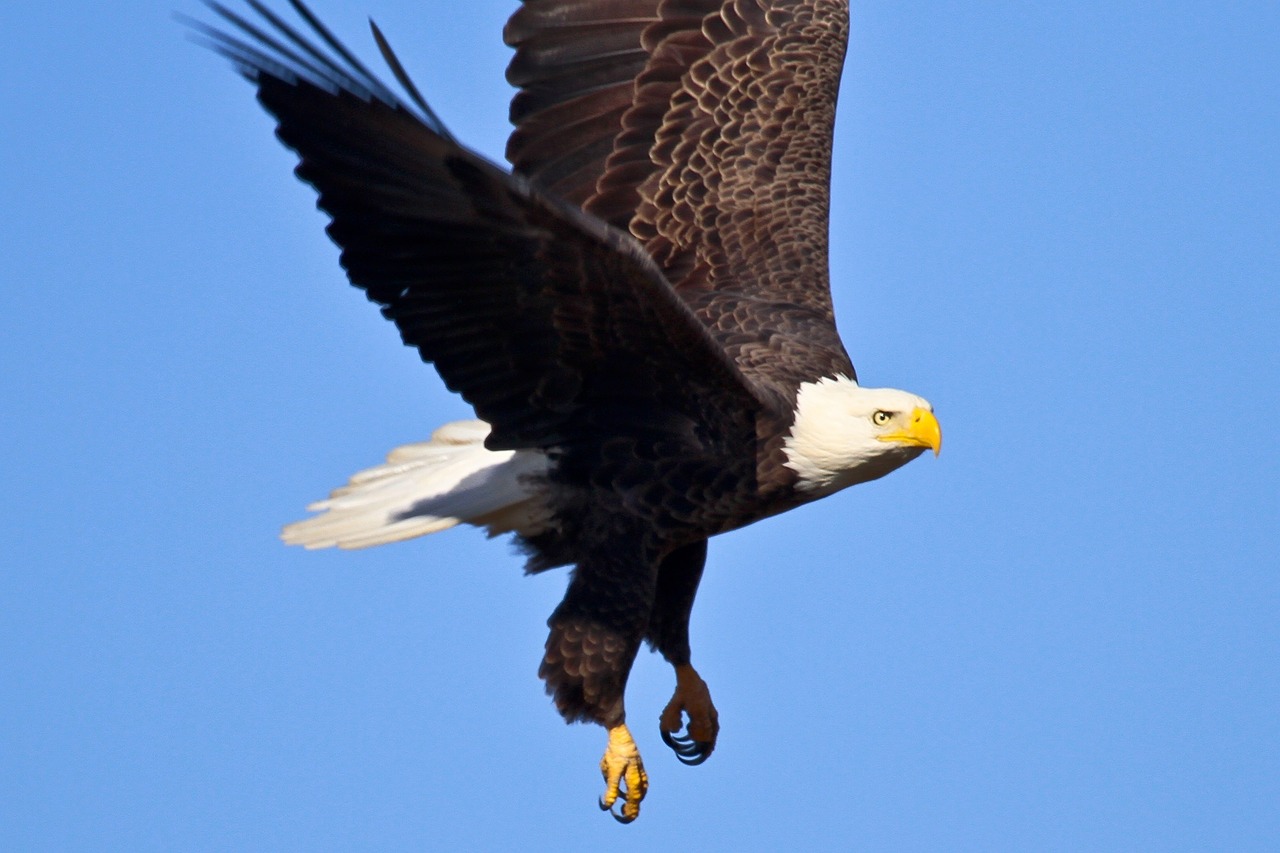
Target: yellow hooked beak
point(922, 431)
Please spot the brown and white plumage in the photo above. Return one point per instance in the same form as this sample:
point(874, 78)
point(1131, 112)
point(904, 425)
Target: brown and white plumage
point(640, 315)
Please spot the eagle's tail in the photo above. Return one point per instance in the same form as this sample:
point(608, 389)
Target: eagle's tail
point(427, 487)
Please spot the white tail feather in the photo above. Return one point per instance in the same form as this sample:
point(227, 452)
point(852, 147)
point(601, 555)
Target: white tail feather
point(430, 486)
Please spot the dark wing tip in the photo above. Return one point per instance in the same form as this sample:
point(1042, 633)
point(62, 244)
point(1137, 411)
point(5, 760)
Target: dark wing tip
point(406, 82)
point(268, 46)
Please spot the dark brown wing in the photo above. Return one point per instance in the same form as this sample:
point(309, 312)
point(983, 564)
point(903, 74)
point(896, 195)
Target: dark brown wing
point(720, 164)
point(575, 65)
point(555, 327)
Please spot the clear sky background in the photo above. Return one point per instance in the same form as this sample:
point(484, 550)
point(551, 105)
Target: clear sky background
point(1060, 222)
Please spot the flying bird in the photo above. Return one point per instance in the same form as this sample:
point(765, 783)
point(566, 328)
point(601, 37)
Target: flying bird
point(639, 312)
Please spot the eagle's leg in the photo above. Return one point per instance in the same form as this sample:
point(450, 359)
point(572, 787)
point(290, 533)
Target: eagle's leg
point(595, 634)
point(678, 578)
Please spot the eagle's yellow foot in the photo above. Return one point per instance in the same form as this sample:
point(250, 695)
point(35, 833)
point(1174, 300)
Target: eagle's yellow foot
point(624, 775)
point(694, 699)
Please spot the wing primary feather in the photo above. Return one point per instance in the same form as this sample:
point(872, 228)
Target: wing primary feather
point(393, 62)
point(307, 60)
point(252, 58)
point(219, 42)
point(341, 74)
point(337, 46)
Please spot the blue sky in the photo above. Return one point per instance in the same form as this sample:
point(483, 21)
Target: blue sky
point(1059, 222)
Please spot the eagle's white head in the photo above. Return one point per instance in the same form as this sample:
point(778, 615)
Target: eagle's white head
point(846, 434)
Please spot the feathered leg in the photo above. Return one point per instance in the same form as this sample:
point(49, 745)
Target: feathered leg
point(595, 634)
point(678, 578)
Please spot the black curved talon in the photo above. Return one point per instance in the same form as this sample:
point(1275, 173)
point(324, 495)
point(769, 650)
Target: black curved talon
point(689, 752)
point(618, 817)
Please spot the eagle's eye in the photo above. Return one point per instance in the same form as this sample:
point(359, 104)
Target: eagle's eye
point(881, 418)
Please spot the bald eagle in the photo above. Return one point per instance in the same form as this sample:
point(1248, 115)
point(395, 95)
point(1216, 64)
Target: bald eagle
point(639, 312)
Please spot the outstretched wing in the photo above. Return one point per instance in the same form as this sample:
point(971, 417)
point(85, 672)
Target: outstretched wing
point(704, 128)
point(554, 326)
